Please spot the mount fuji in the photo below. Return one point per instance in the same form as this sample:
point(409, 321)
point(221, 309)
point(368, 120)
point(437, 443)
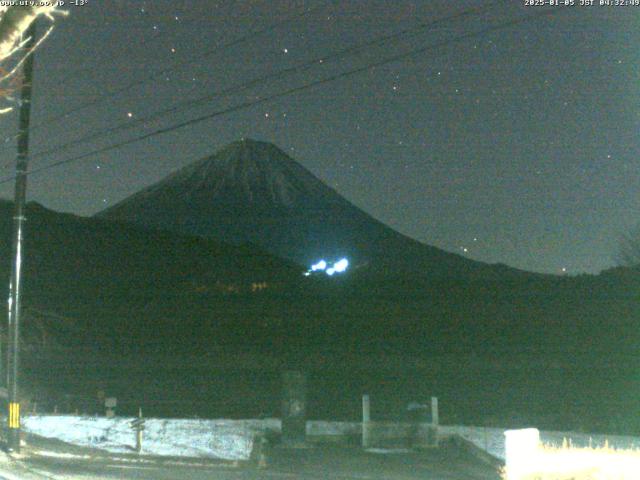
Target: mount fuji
point(253, 192)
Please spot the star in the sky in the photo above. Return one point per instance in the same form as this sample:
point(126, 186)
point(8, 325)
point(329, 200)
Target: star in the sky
point(485, 96)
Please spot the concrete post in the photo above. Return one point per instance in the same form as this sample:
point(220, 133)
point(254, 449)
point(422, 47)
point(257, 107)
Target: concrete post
point(432, 432)
point(366, 421)
point(435, 417)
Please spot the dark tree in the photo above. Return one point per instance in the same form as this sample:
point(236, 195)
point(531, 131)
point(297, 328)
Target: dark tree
point(629, 253)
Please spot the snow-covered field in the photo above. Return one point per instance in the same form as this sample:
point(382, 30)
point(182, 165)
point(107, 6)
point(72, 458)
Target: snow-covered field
point(223, 439)
point(233, 439)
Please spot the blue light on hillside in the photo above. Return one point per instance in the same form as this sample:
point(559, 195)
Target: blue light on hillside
point(323, 266)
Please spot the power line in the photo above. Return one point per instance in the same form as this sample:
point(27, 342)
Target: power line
point(297, 69)
point(126, 88)
point(298, 89)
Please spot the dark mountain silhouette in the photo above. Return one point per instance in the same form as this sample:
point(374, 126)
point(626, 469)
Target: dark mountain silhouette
point(157, 316)
point(139, 311)
point(252, 192)
point(118, 280)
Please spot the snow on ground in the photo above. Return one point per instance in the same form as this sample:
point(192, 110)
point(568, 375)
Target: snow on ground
point(388, 451)
point(222, 439)
point(492, 439)
point(233, 439)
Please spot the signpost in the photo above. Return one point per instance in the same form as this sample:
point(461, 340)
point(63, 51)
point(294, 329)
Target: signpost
point(137, 425)
point(110, 404)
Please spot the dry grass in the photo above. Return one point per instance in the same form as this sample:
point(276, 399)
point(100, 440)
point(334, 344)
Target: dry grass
point(570, 463)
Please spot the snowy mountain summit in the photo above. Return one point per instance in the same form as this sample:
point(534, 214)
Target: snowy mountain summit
point(253, 192)
point(244, 173)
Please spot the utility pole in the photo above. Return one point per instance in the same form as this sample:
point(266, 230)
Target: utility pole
point(20, 194)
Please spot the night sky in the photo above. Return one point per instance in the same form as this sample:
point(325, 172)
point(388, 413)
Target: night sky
point(517, 146)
